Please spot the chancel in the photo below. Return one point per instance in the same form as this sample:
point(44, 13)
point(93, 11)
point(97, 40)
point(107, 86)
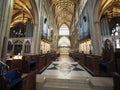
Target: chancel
point(59, 44)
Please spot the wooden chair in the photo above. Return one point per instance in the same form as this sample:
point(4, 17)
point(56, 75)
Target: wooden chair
point(116, 74)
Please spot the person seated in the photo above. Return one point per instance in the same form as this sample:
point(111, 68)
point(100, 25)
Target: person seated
point(107, 56)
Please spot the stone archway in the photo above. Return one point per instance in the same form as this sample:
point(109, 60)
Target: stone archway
point(18, 45)
point(27, 47)
point(108, 19)
point(64, 44)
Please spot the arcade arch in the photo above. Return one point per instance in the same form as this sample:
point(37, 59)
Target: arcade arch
point(64, 43)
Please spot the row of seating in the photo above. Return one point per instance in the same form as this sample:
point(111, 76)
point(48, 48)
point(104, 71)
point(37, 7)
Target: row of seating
point(93, 64)
point(22, 73)
point(32, 62)
point(90, 62)
point(14, 80)
point(38, 62)
point(13, 77)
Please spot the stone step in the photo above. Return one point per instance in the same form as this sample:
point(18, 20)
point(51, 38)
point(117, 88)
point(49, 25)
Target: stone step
point(78, 84)
point(101, 83)
point(56, 88)
point(72, 81)
point(67, 84)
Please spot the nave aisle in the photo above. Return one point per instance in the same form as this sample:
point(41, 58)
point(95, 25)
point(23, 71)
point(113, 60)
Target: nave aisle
point(65, 74)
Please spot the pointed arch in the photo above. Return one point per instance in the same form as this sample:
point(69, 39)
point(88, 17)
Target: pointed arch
point(64, 41)
point(27, 47)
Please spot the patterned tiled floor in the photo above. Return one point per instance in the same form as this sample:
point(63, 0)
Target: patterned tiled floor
point(64, 68)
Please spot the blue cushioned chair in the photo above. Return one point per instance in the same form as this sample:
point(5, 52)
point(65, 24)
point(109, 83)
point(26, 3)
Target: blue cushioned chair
point(32, 61)
point(103, 66)
point(13, 77)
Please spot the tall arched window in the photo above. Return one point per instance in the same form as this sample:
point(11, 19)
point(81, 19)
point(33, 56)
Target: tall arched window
point(27, 47)
point(64, 30)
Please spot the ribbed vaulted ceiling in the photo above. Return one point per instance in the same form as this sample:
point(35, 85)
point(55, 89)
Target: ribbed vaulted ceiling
point(64, 11)
point(22, 10)
point(110, 7)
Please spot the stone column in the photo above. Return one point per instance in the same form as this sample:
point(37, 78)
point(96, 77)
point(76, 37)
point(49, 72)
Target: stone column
point(2, 13)
point(54, 40)
point(5, 19)
point(95, 31)
point(36, 40)
point(95, 37)
point(29, 29)
point(39, 32)
point(107, 26)
point(98, 41)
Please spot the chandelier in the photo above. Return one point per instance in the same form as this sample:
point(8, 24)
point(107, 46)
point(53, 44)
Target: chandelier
point(116, 30)
point(116, 36)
